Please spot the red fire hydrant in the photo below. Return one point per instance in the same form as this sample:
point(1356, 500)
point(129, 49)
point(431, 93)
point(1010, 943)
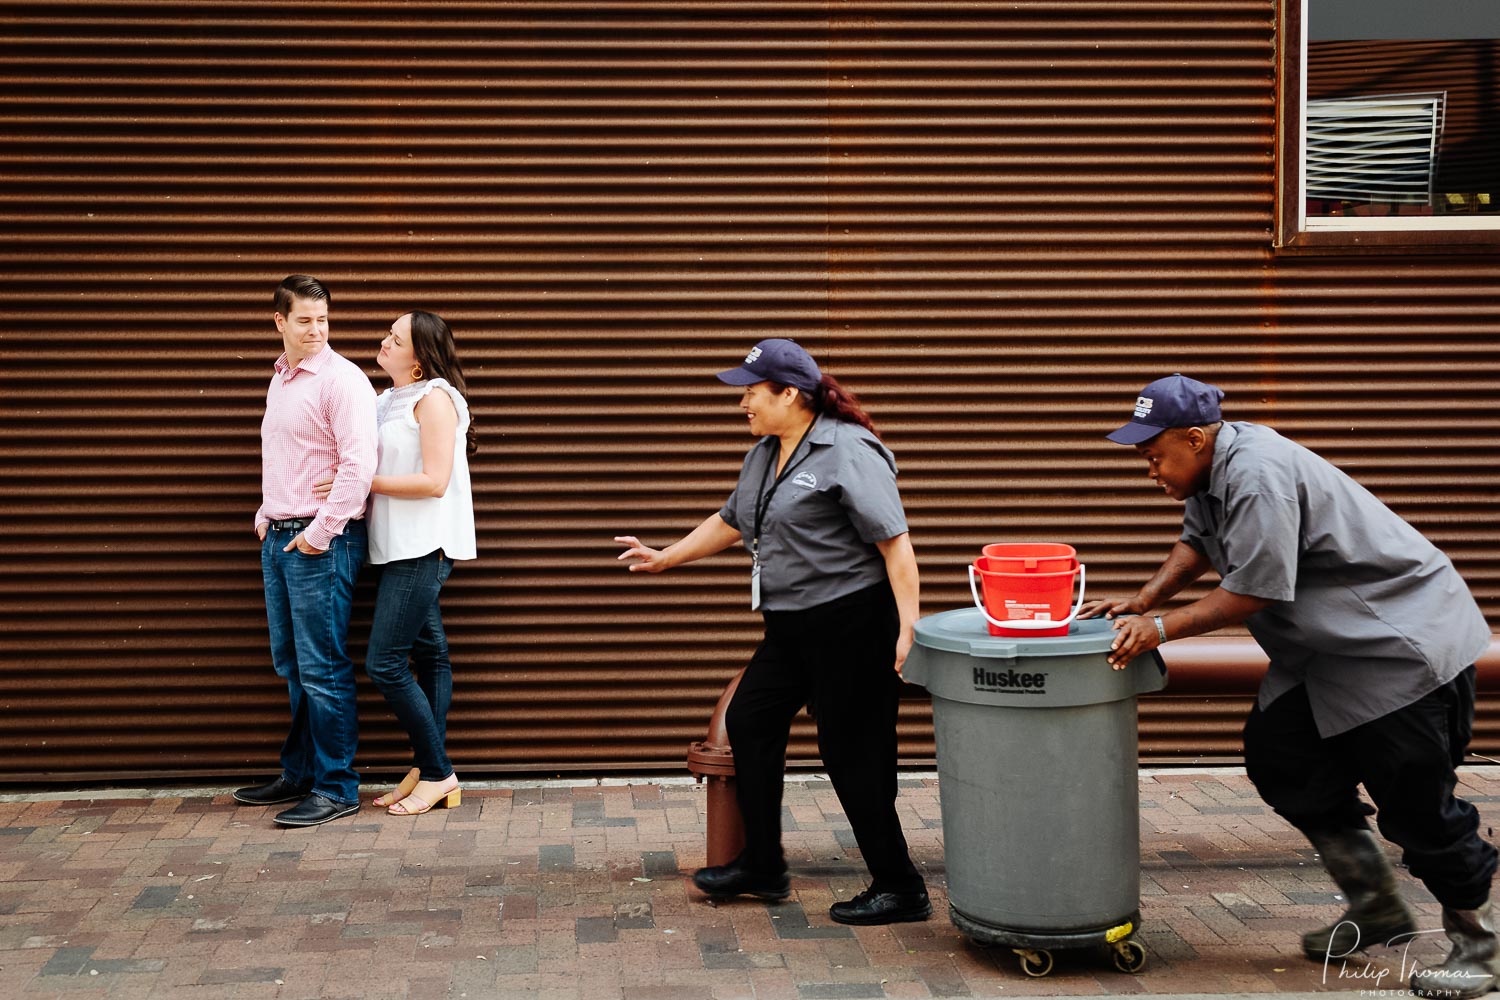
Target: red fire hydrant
point(713, 760)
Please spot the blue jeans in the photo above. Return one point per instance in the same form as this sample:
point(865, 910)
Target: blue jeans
point(308, 602)
point(408, 632)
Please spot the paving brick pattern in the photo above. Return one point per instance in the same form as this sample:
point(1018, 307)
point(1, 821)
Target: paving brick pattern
point(579, 893)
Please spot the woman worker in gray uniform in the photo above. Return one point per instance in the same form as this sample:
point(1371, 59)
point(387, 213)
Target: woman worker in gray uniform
point(834, 576)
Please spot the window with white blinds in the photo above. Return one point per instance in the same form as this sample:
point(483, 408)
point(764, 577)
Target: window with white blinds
point(1378, 148)
point(1387, 126)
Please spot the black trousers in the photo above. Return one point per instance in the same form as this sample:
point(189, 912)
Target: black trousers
point(1406, 762)
point(839, 657)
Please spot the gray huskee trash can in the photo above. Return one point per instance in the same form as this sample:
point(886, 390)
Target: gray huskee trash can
point(1037, 772)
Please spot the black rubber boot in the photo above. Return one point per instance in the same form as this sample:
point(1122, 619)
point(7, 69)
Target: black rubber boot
point(1471, 968)
point(1376, 912)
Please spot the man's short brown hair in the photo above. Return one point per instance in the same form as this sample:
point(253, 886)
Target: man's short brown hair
point(299, 286)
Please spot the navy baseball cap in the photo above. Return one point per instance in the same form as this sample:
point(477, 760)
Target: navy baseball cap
point(776, 360)
point(1174, 401)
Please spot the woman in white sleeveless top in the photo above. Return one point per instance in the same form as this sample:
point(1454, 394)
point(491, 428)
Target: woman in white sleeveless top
point(421, 519)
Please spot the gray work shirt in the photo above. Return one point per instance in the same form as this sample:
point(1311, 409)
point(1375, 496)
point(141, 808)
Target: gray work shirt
point(837, 499)
point(1366, 612)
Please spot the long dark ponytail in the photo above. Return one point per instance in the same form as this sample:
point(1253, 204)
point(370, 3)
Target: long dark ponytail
point(432, 342)
point(833, 400)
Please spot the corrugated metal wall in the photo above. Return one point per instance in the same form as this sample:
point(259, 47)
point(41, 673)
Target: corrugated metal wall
point(994, 220)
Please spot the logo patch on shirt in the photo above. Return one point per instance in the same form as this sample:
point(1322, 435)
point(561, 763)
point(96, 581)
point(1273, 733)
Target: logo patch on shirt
point(1142, 407)
point(753, 356)
point(805, 479)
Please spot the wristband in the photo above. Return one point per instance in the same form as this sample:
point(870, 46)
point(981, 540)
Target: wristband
point(1161, 630)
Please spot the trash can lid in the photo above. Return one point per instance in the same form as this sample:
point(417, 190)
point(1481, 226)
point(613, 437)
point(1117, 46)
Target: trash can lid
point(965, 631)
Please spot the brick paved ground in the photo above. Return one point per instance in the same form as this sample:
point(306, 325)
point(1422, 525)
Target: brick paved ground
point(578, 892)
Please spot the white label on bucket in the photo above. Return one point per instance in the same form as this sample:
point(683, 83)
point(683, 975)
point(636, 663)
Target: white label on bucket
point(1018, 611)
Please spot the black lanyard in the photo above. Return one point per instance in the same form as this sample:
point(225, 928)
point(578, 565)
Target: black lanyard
point(763, 502)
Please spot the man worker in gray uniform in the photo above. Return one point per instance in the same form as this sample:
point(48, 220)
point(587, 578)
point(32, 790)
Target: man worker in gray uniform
point(1372, 638)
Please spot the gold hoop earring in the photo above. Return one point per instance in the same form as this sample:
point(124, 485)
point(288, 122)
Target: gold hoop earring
point(417, 373)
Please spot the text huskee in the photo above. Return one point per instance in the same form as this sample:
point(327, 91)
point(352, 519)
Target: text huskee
point(1009, 680)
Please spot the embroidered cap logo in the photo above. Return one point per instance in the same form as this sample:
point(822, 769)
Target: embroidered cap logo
point(1142, 407)
point(753, 356)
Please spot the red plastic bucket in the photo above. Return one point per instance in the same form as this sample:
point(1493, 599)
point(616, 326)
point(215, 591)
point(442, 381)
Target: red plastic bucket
point(1027, 605)
point(1029, 557)
point(1003, 564)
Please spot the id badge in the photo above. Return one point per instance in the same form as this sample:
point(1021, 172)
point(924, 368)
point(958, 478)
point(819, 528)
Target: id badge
point(755, 586)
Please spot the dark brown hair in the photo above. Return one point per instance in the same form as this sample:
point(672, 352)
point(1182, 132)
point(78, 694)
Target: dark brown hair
point(432, 343)
point(299, 286)
point(833, 400)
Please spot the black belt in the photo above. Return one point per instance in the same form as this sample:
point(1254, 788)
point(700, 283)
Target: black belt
point(291, 524)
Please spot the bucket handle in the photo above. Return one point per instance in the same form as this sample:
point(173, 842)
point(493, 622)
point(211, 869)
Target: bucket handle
point(1024, 624)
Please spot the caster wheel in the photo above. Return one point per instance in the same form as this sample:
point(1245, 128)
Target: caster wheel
point(1129, 956)
point(1035, 963)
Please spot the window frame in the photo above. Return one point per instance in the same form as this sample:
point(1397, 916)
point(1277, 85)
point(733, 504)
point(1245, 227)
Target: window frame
point(1292, 234)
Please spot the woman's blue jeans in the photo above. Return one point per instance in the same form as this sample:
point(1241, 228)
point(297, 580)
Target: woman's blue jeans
point(408, 633)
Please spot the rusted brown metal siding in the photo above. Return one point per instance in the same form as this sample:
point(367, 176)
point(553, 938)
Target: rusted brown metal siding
point(994, 221)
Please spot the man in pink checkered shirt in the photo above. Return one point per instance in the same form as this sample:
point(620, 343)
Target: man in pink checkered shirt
point(320, 420)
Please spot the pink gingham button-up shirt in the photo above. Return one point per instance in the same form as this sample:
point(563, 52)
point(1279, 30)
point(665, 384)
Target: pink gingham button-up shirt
point(320, 419)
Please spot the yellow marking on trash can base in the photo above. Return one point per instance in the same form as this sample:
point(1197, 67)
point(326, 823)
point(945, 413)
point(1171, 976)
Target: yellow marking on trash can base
point(1118, 933)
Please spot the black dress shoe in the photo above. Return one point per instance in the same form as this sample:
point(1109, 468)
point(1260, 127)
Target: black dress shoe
point(270, 793)
point(883, 908)
point(734, 879)
point(313, 810)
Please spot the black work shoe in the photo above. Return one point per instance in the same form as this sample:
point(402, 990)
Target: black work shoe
point(270, 793)
point(1376, 915)
point(313, 810)
point(734, 879)
point(1472, 968)
point(883, 908)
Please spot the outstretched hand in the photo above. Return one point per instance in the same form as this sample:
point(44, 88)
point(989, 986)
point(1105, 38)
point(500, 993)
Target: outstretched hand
point(1111, 608)
point(1135, 636)
point(647, 559)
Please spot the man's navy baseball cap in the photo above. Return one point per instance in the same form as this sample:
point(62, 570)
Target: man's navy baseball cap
point(776, 360)
point(1174, 401)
